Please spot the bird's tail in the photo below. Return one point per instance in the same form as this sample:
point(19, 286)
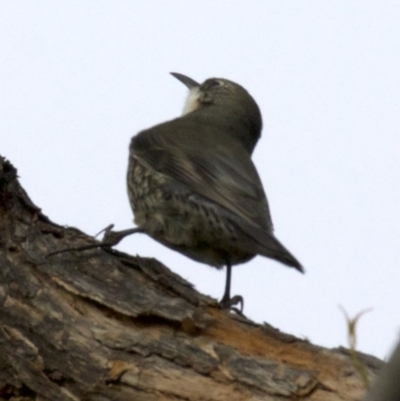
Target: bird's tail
point(275, 250)
point(265, 243)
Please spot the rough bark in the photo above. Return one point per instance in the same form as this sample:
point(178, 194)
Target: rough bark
point(102, 325)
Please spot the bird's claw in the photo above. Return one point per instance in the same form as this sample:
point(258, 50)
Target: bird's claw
point(230, 303)
point(112, 238)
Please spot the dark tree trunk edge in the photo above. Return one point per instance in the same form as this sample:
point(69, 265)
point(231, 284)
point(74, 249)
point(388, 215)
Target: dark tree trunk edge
point(103, 325)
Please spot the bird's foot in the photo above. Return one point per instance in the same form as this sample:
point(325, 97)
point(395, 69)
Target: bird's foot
point(230, 303)
point(110, 239)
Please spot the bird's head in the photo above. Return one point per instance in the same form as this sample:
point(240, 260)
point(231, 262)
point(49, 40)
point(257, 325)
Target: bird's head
point(224, 99)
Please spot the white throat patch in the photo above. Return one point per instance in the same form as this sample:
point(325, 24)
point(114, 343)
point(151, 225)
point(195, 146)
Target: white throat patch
point(192, 102)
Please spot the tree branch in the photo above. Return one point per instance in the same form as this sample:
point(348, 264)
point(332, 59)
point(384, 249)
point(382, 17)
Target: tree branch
point(102, 325)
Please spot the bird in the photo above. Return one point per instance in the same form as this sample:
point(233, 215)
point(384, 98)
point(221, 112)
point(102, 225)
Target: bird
point(194, 188)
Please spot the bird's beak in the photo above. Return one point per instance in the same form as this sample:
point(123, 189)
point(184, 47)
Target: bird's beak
point(189, 82)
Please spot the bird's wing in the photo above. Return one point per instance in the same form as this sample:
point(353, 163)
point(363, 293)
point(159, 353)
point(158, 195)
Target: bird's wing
point(221, 171)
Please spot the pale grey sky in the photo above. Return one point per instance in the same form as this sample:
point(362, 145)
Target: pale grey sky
point(79, 78)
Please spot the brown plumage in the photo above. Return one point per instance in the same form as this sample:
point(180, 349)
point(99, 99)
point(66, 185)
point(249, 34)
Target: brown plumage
point(193, 186)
